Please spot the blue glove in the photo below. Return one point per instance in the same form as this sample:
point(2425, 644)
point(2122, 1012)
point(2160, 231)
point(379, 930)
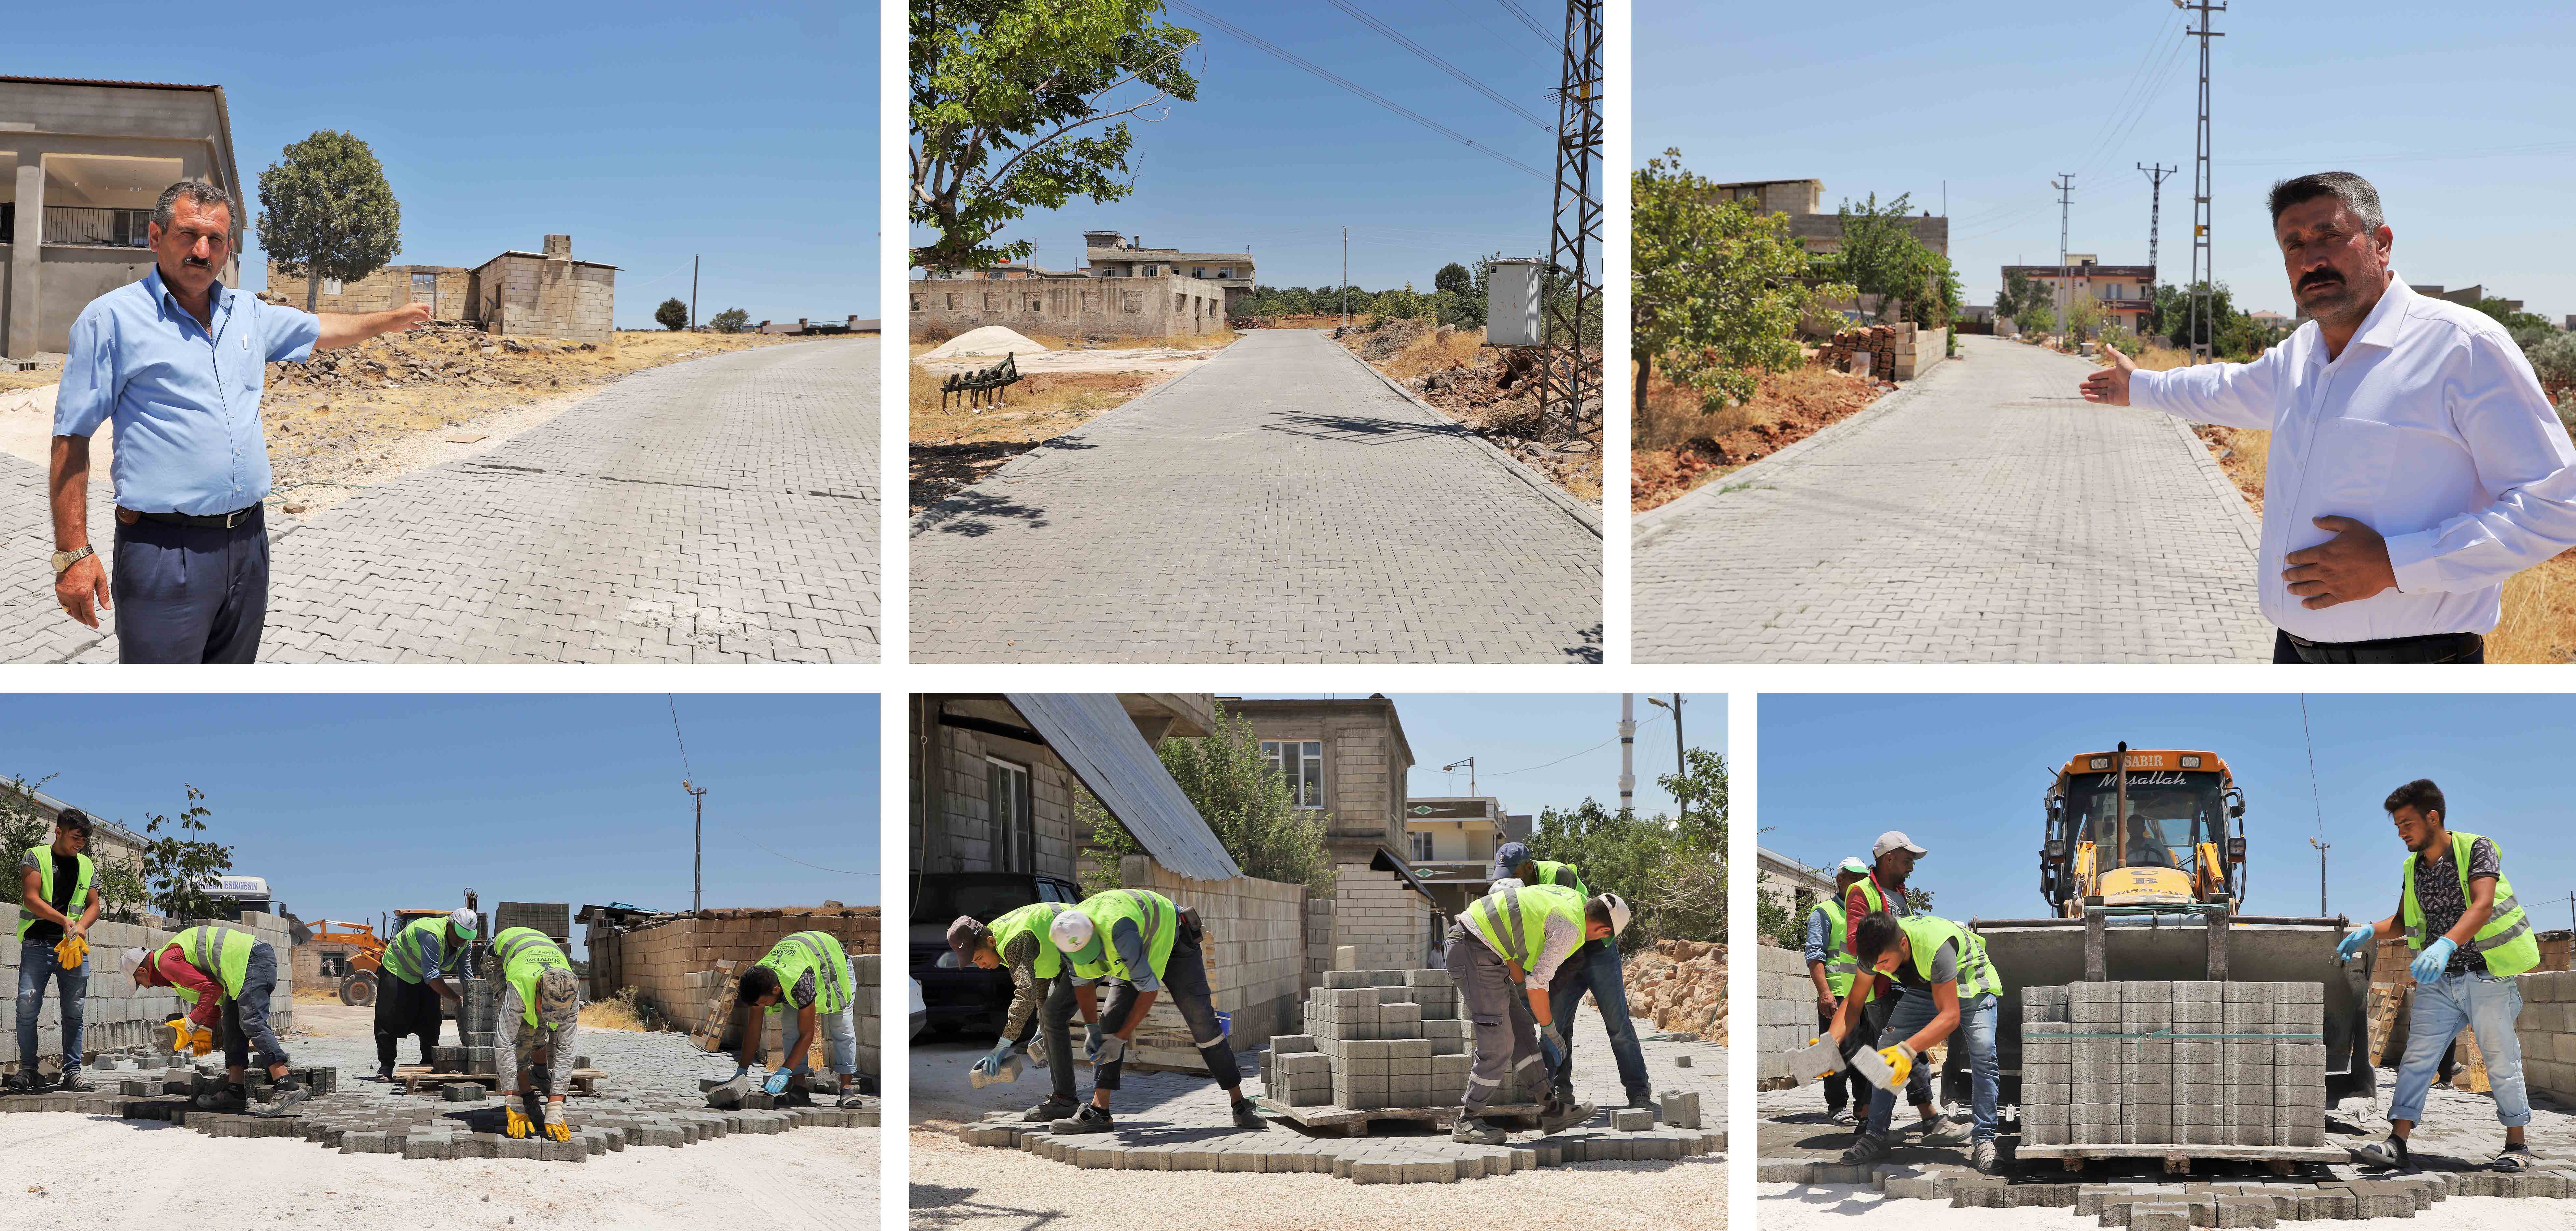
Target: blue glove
point(2437, 955)
point(2352, 943)
point(1091, 1036)
point(777, 1083)
point(991, 1063)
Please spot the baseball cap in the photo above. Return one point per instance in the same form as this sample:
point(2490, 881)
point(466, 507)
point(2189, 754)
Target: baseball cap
point(965, 935)
point(1507, 857)
point(1893, 840)
point(1853, 863)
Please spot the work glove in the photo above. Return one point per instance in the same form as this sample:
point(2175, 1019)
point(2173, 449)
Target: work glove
point(1091, 1033)
point(556, 1129)
point(777, 1083)
point(72, 951)
point(518, 1125)
point(197, 1039)
point(991, 1063)
point(2436, 956)
point(1111, 1048)
point(1553, 1037)
point(1900, 1063)
point(2352, 943)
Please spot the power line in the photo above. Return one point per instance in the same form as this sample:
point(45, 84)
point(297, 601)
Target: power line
point(1527, 20)
point(674, 703)
point(1381, 100)
point(1436, 62)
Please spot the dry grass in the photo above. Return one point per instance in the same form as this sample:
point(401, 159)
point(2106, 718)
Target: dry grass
point(619, 1012)
point(330, 995)
point(1434, 353)
point(1052, 341)
point(956, 446)
point(1679, 449)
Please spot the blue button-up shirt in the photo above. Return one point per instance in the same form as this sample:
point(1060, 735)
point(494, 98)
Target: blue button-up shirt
point(184, 397)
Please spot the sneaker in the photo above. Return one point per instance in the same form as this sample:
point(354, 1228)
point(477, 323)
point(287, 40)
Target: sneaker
point(1478, 1131)
point(1842, 1115)
point(1943, 1132)
point(1248, 1117)
point(850, 1102)
point(1982, 1156)
point(1051, 1110)
point(1564, 1116)
point(75, 1082)
point(1091, 1119)
point(1866, 1148)
point(1645, 1098)
point(283, 1095)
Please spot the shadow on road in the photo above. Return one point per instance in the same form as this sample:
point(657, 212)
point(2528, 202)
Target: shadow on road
point(1361, 429)
point(973, 514)
point(1590, 650)
point(934, 1206)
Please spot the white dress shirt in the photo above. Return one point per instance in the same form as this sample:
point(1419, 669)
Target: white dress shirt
point(2429, 428)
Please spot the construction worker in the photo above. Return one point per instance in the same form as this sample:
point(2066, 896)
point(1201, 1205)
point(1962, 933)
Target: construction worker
point(2457, 911)
point(1882, 892)
point(226, 977)
point(1830, 966)
point(58, 892)
point(1950, 985)
point(412, 989)
point(1042, 995)
point(1595, 968)
point(540, 1001)
point(1144, 945)
point(810, 973)
point(1520, 934)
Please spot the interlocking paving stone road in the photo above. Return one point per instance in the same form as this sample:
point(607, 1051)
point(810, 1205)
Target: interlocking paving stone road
point(720, 510)
point(1278, 503)
point(1989, 515)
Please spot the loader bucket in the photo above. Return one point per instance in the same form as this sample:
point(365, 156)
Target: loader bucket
point(2177, 946)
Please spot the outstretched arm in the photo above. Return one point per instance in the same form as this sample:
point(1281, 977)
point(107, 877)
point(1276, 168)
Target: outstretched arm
point(347, 329)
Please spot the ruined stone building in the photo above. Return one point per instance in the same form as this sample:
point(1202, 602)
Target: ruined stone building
point(532, 294)
point(1123, 290)
point(82, 163)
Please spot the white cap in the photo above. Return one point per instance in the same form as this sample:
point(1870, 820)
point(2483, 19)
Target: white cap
point(1072, 931)
point(1893, 840)
point(1853, 863)
point(463, 920)
point(132, 960)
point(1618, 909)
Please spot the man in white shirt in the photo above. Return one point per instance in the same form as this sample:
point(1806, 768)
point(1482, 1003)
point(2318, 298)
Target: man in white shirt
point(2415, 463)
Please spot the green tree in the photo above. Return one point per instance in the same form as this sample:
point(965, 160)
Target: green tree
point(1719, 289)
point(179, 866)
point(325, 211)
point(2553, 359)
point(1011, 110)
point(731, 320)
point(2513, 319)
point(22, 829)
point(1241, 797)
point(1880, 256)
point(2018, 296)
point(2083, 315)
point(672, 314)
point(1453, 277)
point(1672, 870)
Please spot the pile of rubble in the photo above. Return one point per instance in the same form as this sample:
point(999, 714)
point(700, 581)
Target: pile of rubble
point(446, 355)
point(1877, 342)
point(1681, 986)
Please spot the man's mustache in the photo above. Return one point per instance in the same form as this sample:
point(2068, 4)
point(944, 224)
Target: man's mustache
point(2320, 278)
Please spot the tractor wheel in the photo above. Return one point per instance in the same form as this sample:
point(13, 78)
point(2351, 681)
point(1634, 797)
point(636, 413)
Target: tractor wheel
point(358, 989)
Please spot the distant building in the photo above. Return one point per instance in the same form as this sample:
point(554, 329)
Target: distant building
point(1451, 843)
point(109, 842)
point(2466, 296)
point(1158, 293)
point(1819, 230)
point(1790, 884)
point(2127, 293)
point(532, 294)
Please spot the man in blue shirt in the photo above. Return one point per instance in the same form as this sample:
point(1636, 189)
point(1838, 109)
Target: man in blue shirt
point(176, 362)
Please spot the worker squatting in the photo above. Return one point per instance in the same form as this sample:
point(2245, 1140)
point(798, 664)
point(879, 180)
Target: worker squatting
point(1526, 932)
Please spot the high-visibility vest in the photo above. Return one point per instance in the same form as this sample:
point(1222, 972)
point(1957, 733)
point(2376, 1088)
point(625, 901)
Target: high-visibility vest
point(2506, 940)
point(816, 953)
point(1840, 965)
point(1564, 876)
point(45, 886)
point(1976, 974)
point(1157, 921)
point(221, 954)
point(1512, 920)
point(524, 956)
point(1033, 920)
point(406, 958)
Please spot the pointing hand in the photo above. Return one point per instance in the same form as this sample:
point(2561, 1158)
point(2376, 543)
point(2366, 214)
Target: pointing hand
point(2109, 386)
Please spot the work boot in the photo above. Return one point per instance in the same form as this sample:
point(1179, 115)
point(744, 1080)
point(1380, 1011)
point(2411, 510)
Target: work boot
point(1942, 1131)
point(1051, 1110)
point(230, 1098)
point(1091, 1119)
point(1558, 1116)
point(1982, 1156)
point(286, 1092)
point(73, 1081)
point(25, 1082)
point(1478, 1131)
point(1865, 1149)
point(1248, 1117)
point(1645, 1098)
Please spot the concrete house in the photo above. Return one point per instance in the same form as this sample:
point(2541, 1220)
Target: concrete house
point(82, 163)
point(1347, 758)
point(1452, 842)
point(2126, 292)
point(532, 294)
point(1122, 291)
point(1817, 229)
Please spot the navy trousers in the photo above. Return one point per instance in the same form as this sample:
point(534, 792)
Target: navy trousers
point(186, 594)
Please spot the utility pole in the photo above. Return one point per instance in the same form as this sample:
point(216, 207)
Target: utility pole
point(1680, 805)
point(2203, 264)
point(1470, 763)
point(697, 846)
point(1565, 382)
point(1628, 756)
point(2065, 186)
point(2322, 848)
point(2155, 206)
point(1346, 277)
point(693, 290)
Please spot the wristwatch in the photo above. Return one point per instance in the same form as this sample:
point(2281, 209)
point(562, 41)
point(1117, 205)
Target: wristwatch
point(66, 559)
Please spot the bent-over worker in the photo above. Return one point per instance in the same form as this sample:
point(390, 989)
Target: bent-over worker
point(1146, 946)
point(1594, 968)
point(1519, 935)
point(810, 973)
point(541, 1004)
point(1043, 998)
point(226, 977)
point(1959, 993)
point(1883, 892)
point(412, 989)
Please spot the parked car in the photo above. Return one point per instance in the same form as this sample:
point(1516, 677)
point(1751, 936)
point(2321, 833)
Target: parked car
point(957, 999)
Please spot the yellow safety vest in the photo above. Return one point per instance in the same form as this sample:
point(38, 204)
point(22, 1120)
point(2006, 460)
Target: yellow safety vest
point(2506, 940)
point(45, 886)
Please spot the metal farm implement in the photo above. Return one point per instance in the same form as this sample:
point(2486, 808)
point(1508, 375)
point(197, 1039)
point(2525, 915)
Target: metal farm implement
point(981, 387)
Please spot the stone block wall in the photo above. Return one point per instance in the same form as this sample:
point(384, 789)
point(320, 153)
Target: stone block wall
point(870, 968)
point(2547, 1031)
point(385, 289)
point(1255, 948)
point(117, 1014)
point(659, 959)
point(1382, 917)
point(2173, 1063)
point(547, 298)
point(1319, 940)
point(1166, 306)
point(1379, 1039)
point(1785, 1009)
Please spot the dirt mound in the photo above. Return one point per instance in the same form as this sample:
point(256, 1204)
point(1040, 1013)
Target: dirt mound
point(994, 340)
point(460, 357)
point(1681, 986)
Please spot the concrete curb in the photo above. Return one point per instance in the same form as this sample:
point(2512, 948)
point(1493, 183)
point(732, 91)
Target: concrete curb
point(1361, 1160)
point(2343, 1194)
point(1589, 517)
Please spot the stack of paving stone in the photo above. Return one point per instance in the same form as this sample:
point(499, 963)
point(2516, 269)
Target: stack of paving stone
point(2203, 1064)
point(1380, 1039)
point(2174, 1204)
point(865, 968)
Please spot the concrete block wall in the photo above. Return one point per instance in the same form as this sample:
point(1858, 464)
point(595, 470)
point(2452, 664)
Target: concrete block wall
point(870, 969)
point(2173, 1063)
point(1319, 941)
point(387, 288)
point(1382, 917)
point(659, 958)
point(1255, 948)
point(1785, 1009)
point(963, 825)
point(1164, 306)
point(537, 297)
point(116, 1014)
point(1379, 1039)
point(2547, 1032)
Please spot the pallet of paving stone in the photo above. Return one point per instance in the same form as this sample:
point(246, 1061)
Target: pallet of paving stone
point(1354, 1121)
point(418, 1079)
point(2177, 1158)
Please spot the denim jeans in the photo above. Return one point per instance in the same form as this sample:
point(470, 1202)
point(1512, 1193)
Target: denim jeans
point(244, 1022)
point(1595, 968)
point(36, 963)
point(1976, 1032)
point(840, 1030)
point(2483, 1003)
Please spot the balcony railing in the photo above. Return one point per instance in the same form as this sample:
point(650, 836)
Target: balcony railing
point(85, 224)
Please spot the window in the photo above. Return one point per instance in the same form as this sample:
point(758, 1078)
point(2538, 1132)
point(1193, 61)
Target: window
point(1152, 270)
point(1198, 271)
point(1225, 273)
point(1301, 762)
point(1006, 788)
point(330, 286)
point(1035, 306)
point(424, 288)
point(1421, 845)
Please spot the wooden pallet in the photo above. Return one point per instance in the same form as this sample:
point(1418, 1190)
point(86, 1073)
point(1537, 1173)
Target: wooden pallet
point(2280, 1160)
point(1354, 1121)
point(417, 1079)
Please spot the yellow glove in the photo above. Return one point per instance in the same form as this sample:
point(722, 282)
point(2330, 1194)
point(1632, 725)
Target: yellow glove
point(1900, 1062)
point(198, 1040)
point(555, 1126)
point(72, 952)
point(518, 1127)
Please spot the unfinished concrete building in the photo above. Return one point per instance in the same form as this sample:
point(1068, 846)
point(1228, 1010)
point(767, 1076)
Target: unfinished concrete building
point(1817, 229)
point(82, 163)
point(530, 294)
point(1123, 290)
point(1347, 758)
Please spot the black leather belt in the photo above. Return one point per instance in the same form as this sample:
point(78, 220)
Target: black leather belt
point(2430, 648)
point(202, 521)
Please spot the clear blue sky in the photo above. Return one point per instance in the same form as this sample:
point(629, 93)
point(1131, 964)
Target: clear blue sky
point(1275, 161)
point(2000, 98)
point(1536, 751)
point(646, 131)
point(1963, 776)
point(357, 804)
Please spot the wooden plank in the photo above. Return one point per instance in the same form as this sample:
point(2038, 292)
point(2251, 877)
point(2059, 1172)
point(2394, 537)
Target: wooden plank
point(2251, 1154)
